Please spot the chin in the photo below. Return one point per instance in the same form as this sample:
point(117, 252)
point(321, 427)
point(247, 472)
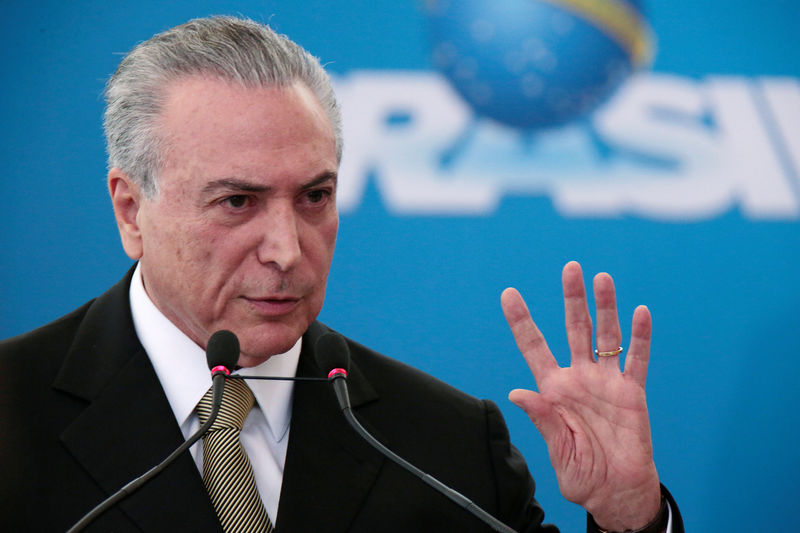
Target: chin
point(259, 346)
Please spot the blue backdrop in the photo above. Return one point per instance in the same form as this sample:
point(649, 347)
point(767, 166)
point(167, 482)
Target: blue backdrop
point(685, 186)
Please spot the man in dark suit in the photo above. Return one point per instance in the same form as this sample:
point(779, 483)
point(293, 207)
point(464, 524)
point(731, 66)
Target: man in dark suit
point(224, 142)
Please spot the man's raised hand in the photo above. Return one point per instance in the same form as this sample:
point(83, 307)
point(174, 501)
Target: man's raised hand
point(592, 416)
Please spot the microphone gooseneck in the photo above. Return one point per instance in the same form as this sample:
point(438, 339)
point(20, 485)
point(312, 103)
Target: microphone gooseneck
point(222, 353)
point(332, 353)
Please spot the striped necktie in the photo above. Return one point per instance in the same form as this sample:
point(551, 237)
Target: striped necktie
point(227, 472)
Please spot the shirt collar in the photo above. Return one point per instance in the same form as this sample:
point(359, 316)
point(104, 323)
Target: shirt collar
point(181, 367)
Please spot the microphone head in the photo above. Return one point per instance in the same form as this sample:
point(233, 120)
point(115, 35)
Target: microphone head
point(332, 353)
point(222, 350)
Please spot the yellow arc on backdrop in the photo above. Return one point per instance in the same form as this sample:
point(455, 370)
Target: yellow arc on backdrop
point(617, 20)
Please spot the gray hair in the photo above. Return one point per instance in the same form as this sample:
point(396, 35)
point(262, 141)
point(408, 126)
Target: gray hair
point(230, 48)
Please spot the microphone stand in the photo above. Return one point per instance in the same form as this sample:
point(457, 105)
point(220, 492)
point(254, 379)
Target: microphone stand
point(338, 377)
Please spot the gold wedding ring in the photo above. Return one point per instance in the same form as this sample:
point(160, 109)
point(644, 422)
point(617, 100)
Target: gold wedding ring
point(612, 353)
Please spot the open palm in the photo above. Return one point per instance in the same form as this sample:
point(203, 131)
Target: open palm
point(592, 416)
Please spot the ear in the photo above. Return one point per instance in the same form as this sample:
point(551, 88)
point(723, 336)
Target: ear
point(126, 198)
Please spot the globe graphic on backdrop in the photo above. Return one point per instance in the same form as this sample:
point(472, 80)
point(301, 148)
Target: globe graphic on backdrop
point(534, 64)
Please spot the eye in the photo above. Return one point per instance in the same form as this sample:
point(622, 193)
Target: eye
point(317, 196)
point(236, 201)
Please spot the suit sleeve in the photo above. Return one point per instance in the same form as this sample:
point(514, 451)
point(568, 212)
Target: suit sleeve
point(675, 524)
point(516, 504)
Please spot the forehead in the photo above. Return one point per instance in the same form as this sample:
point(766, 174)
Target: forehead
point(214, 126)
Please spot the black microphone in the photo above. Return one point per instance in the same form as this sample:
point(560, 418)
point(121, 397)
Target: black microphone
point(332, 353)
point(222, 353)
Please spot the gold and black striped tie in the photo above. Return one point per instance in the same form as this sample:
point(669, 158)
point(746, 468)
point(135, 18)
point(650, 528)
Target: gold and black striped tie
point(227, 472)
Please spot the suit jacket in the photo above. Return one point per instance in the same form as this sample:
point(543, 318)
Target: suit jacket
point(82, 413)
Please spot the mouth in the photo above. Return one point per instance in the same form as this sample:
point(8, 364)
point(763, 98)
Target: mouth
point(273, 306)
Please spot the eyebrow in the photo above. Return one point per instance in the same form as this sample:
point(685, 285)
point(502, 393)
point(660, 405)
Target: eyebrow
point(328, 175)
point(244, 185)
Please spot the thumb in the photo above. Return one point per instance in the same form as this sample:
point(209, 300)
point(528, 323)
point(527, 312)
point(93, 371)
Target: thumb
point(541, 412)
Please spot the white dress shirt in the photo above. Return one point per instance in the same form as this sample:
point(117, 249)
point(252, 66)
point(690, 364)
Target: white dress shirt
point(182, 370)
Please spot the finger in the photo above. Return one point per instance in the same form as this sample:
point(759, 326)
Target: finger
point(541, 412)
point(608, 335)
point(576, 314)
point(530, 341)
point(639, 351)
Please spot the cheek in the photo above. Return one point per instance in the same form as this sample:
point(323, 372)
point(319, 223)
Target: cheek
point(190, 247)
point(319, 243)
point(198, 244)
point(188, 258)
point(223, 262)
point(325, 247)
point(329, 234)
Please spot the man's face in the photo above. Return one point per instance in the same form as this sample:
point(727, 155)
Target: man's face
point(242, 231)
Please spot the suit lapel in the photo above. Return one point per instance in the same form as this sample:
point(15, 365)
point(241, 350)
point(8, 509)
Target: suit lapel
point(329, 468)
point(128, 425)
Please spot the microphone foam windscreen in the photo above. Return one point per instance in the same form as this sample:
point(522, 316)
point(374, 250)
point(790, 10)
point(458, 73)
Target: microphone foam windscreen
point(332, 352)
point(222, 350)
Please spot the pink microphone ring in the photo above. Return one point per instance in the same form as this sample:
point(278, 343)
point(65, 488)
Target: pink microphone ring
point(220, 368)
point(336, 372)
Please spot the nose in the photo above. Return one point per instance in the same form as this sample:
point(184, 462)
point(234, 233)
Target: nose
point(280, 238)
